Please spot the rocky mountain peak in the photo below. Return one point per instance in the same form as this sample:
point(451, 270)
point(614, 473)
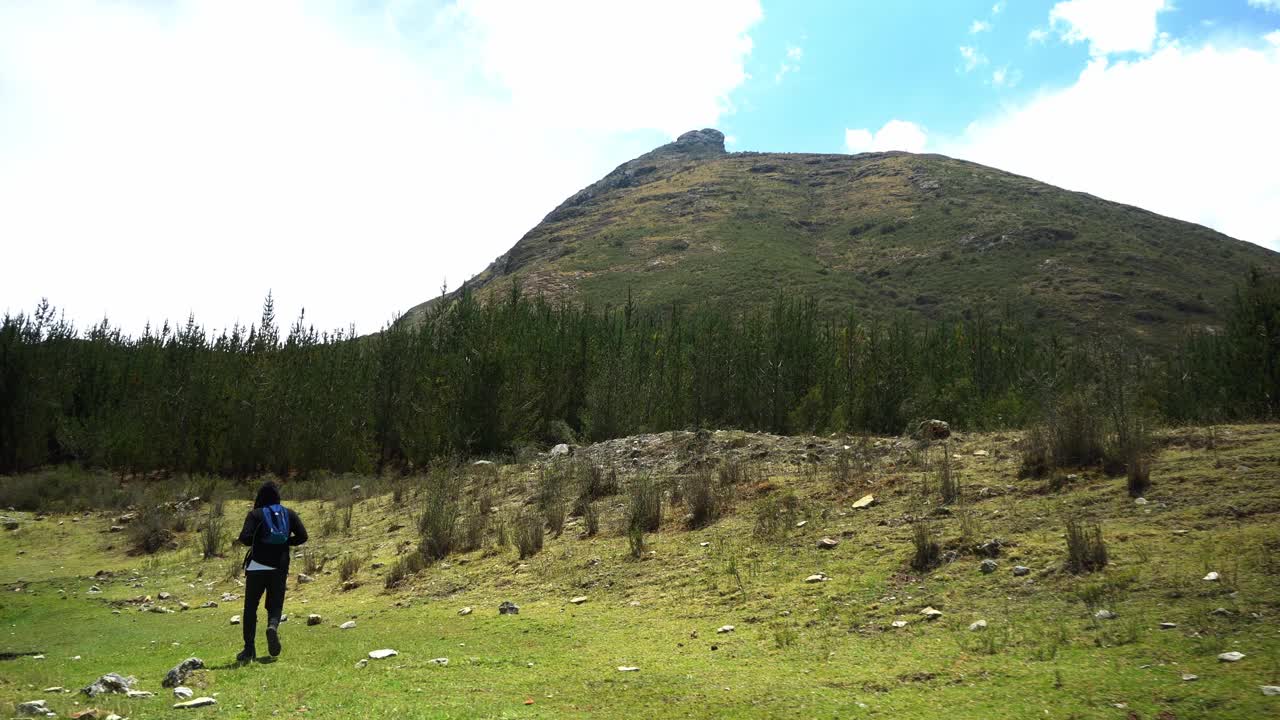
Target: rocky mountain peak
point(704, 140)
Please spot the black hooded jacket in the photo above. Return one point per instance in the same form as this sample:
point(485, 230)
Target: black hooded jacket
point(254, 532)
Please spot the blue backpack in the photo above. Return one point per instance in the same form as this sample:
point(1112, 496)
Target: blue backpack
point(276, 519)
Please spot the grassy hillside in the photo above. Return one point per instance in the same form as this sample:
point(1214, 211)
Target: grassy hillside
point(825, 649)
point(877, 232)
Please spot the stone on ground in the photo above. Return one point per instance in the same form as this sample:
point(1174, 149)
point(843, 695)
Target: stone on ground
point(109, 683)
point(1232, 656)
point(931, 613)
point(865, 501)
point(1189, 677)
point(725, 629)
point(980, 625)
point(314, 619)
point(508, 608)
point(628, 668)
point(1105, 615)
point(178, 673)
point(827, 543)
point(816, 578)
point(235, 619)
point(1270, 690)
point(183, 693)
point(382, 654)
point(347, 625)
point(1168, 626)
point(34, 708)
point(1021, 570)
point(197, 703)
point(579, 600)
point(899, 623)
point(440, 661)
point(465, 611)
point(988, 566)
point(1212, 577)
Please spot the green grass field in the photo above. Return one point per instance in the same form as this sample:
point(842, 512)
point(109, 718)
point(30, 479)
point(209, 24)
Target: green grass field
point(798, 650)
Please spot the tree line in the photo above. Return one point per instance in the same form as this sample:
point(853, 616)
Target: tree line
point(483, 377)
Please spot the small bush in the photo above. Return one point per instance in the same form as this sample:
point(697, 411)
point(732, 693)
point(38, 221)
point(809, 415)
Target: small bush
point(312, 562)
point(776, 514)
point(645, 508)
point(553, 487)
point(591, 515)
point(436, 524)
point(528, 534)
point(331, 523)
point(347, 510)
point(1086, 550)
point(211, 536)
point(708, 500)
point(948, 480)
point(842, 469)
point(501, 532)
point(474, 525)
point(597, 482)
point(152, 530)
point(1139, 475)
point(350, 565)
point(402, 569)
point(925, 542)
point(635, 541)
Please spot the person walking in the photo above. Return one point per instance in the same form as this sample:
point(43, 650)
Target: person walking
point(270, 529)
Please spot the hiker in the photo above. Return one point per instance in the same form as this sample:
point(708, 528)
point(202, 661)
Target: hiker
point(270, 529)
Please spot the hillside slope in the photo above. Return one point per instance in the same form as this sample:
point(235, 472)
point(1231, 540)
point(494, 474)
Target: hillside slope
point(927, 234)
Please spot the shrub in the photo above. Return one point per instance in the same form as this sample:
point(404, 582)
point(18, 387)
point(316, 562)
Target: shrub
point(152, 529)
point(350, 565)
point(842, 469)
point(926, 545)
point(948, 480)
point(1139, 475)
point(402, 569)
point(597, 482)
point(312, 563)
point(528, 534)
point(732, 472)
point(708, 500)
point(1086, 550)
point(775, 514)
point(331, 523)
point(592, 517)
point(645, 508)
point(439, 516)
point(635, 541)
point(500, 531)
point(211, 536)
point(347, 509)
point(474, 525)
point(553, 486)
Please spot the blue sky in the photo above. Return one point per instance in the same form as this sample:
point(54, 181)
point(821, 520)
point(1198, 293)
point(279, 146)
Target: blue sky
point(352, 156)
point(863, 63)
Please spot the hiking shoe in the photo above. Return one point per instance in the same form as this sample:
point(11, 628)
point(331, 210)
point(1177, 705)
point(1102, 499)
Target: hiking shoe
point(273, 640)
point(245, 656)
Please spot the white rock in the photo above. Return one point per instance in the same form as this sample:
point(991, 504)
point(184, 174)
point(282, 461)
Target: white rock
point(802, 523)
point(1168, 626)
point(183, 693)
point(347, 625)
point(628, 668)
point(558, 450)
point(899, 623)
point(1212, 577)
point(725, 629)
point(34, 707)
point(138, 694)
point(363, 662)
point(1188, 677)
point(815, 578)
point(865, 501)
point(314, 619)
point(1270, 690)
point(440, 661)
point(980, 625)
point(197, 703)
point(235, 619)
point(1105, 615)
point(304, 578)
point(383, 654)
point(465, 611)
point(1140, 501)
point(579, 600)
point(1232, 656)
point(931, 613)
point(55, 689)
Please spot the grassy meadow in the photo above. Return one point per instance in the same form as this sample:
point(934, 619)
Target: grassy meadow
point(824, 649)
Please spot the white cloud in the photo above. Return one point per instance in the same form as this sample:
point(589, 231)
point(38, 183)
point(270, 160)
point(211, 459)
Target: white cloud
point(1037, 35)
point(979, 26)
point(895, 135)
point(159, 158)
point(791, 64)
point(997, 8)
point(972, 58)
point(1004, 77)
point(1186, 132)
point(1109, 26)
point(1273, 37)
point(1272, 5)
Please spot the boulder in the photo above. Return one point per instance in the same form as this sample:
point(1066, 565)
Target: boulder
point(109, 683)
point(183, 693)
point(508, 608)
point(560, 450)
point(314, 619)
point(1021, 570)
point(33, 708)
point(988, 566)
point(827, 543)
point(865, 501)
point(177, 675)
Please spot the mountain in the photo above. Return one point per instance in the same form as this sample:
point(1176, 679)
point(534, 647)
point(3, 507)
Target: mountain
point(878, 232)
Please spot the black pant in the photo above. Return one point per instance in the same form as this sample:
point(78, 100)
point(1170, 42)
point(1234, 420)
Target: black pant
point(256, 582)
